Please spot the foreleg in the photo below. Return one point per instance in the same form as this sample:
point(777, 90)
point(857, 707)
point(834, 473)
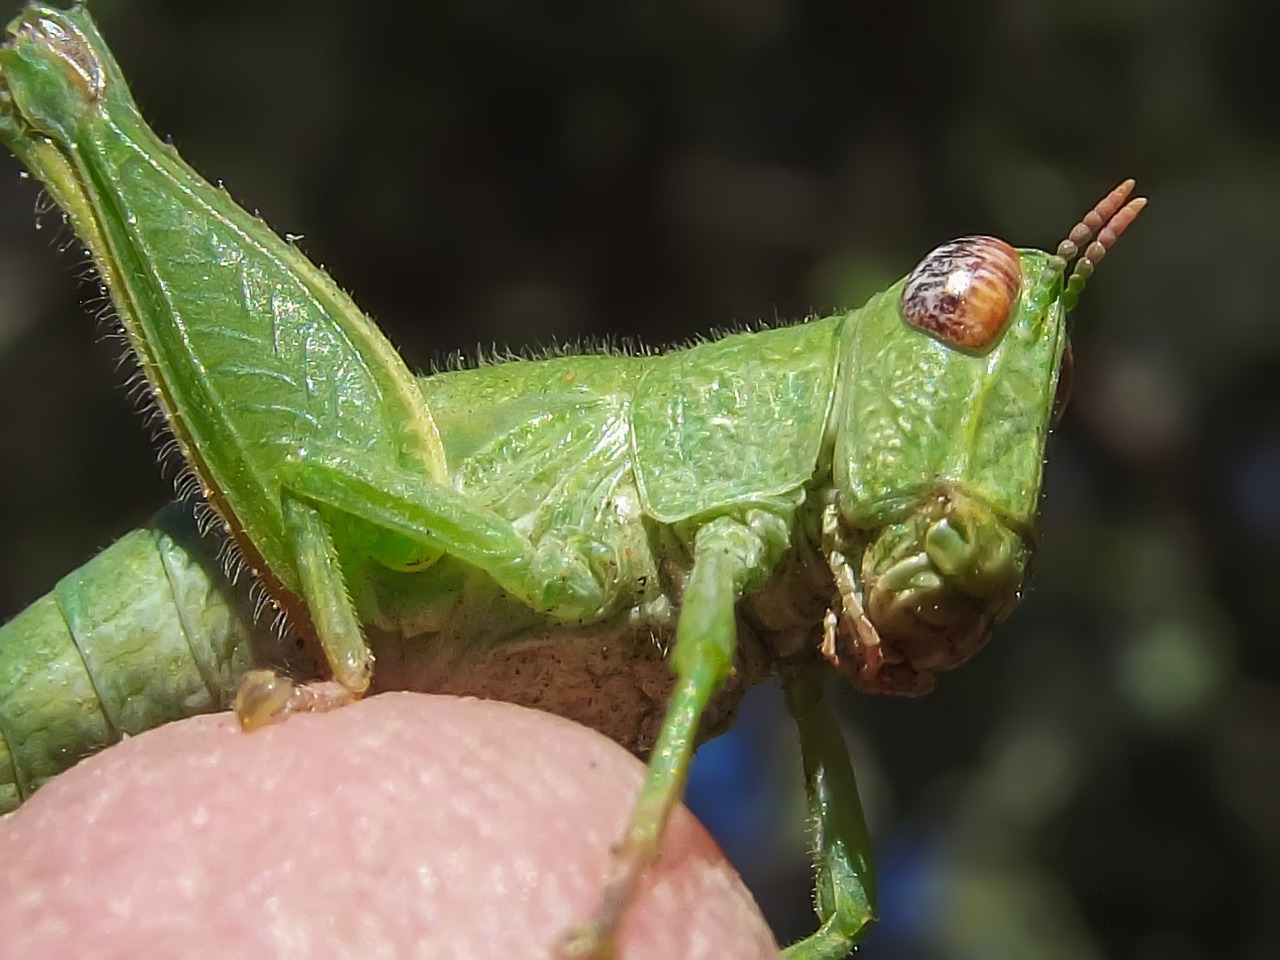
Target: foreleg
point(844, 879)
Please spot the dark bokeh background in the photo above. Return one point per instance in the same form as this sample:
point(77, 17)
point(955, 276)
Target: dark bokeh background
point(1105, 779)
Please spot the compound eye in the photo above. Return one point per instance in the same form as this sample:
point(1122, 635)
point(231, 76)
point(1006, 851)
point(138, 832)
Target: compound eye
point(964, 291)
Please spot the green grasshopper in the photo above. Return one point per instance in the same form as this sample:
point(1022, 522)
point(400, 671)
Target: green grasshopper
point(629, 540)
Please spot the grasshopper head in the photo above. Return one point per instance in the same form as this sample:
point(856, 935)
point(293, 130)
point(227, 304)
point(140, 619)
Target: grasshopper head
point(950, 384)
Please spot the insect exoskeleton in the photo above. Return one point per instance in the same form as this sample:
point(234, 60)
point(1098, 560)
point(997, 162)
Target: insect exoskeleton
point(936, 584)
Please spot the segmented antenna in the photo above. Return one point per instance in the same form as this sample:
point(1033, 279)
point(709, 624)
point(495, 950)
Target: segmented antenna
point(1096, 233)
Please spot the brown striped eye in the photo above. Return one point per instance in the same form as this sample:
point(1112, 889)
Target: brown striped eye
point(964, 291)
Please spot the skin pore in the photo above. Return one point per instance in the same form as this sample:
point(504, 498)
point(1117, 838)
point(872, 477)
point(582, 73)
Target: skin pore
point(405, 825)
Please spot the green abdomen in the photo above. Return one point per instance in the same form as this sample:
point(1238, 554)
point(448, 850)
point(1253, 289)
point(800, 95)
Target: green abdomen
point(146, 632)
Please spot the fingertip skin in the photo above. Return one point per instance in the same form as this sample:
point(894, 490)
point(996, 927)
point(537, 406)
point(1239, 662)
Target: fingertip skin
point(404, 826)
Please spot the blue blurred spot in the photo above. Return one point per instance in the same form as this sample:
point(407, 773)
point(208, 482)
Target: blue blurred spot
point(912, 879)
point(1255, 478)
point(733, 788)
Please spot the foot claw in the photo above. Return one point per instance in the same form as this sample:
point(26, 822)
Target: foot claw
point(264, 696)
point(585, 943)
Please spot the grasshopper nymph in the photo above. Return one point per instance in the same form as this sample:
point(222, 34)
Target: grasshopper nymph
point(854, 494)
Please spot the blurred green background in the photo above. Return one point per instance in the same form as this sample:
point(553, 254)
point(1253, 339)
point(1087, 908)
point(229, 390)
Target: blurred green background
point(1105, 779)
